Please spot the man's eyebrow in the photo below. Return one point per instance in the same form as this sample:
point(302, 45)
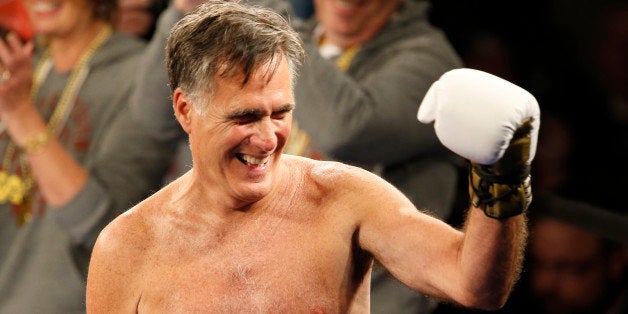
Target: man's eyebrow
point(245, 112)
point(258, 112)
point(284, 108)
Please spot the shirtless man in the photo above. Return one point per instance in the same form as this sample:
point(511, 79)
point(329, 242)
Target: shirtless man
point(248, 229)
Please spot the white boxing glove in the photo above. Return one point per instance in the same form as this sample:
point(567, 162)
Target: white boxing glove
point(475, 114)
point(492, 123)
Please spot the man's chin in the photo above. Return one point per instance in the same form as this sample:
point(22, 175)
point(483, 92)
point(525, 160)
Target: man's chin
point(254, 192)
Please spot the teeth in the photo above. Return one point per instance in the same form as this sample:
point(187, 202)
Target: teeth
point(255, 161)
point(44, 6)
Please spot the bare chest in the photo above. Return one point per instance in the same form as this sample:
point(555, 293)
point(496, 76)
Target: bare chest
point(260, 268)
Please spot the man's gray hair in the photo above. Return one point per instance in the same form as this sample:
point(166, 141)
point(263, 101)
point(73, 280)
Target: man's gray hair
point(223, 38)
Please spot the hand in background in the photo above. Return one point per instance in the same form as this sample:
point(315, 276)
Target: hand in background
point(16, 71)
point(14, 17)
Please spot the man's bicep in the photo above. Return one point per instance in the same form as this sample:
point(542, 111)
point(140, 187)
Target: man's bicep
point(419, 250)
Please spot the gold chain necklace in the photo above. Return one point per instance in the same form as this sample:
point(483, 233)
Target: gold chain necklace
point(346, 57)
point(343, 61)
point(16, 188)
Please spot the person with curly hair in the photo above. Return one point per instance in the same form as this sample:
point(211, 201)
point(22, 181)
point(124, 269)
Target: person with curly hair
point(58, 94)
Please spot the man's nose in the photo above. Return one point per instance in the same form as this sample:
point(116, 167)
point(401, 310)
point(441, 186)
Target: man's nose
point(264, 137)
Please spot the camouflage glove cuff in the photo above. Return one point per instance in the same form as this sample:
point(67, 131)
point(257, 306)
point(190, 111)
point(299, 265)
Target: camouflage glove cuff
point(503, 189)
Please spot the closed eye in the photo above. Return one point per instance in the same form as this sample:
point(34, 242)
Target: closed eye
point(253, 115)
point(282, 112)
point(246, 118)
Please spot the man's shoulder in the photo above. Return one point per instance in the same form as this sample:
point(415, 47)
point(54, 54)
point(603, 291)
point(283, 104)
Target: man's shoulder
point(126, 233)
point(344, 188)
point(316, 166)
point(326, 173)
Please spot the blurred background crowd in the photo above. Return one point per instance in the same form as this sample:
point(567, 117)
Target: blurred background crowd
point(573, 57)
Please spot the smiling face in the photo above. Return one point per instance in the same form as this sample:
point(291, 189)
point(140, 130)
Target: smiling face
point(349, 22)
point(59, 17)
point(237, 143)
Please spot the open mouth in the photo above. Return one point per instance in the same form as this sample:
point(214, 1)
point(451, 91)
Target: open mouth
point(252, 161)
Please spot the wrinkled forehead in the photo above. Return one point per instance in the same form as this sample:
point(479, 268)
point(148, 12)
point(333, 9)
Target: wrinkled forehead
point(262, 70)
point(268, 84)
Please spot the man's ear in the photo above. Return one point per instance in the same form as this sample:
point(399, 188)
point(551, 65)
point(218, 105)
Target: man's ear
point(182, 109)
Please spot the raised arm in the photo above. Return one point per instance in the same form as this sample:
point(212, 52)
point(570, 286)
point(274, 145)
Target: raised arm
point(494, 124)
point(58, 175)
